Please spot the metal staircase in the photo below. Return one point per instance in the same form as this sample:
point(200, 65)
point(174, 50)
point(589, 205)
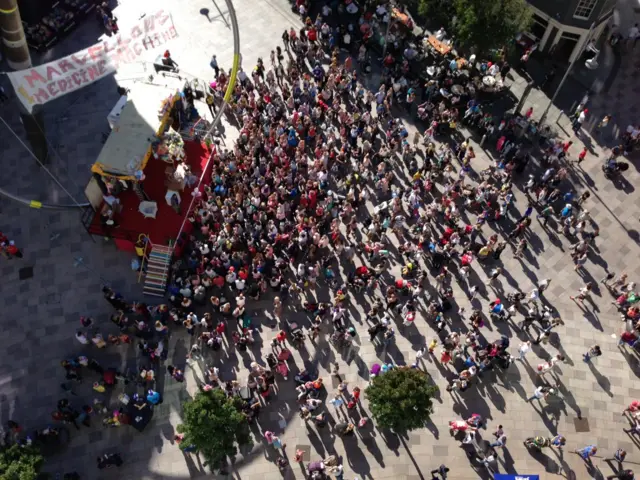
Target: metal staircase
point(158, 265)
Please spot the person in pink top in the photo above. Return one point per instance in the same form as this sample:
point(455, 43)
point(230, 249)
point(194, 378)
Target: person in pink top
point(633, 408)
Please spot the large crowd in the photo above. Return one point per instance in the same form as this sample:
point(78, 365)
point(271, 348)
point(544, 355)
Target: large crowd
point(321, 179)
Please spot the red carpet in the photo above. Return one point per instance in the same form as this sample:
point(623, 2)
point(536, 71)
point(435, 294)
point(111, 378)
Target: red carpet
point(167, 223)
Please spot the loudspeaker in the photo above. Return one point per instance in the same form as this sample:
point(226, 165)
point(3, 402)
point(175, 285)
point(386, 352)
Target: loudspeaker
point(34, 127)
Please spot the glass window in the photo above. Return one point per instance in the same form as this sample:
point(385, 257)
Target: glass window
point(585, 8)
point(538, 27)
point(570, 36)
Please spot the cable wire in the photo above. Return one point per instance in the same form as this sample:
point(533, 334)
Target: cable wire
point(33, 203)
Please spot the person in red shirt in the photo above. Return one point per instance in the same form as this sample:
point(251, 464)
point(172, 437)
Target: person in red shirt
point(218, 281)
point(582, 155)
point(12, 250)
point(628, 338)
point(356, 394)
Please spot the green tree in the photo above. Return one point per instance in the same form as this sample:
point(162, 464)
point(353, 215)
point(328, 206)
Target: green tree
point(479, 24)
point(20, 463)
point(488, 25)
point(438, 13)
point(401, 399)
point(214, 424)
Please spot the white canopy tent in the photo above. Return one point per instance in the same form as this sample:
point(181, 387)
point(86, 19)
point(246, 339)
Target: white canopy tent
point(127, 148)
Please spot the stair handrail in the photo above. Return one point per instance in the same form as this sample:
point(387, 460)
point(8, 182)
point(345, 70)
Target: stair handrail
point(167, 266)
point(198, 187)
point(148, 246)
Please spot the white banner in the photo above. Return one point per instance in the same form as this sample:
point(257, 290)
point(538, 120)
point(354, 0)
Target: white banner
point(38, 85)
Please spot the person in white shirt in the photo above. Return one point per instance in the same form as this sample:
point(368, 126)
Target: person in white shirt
point(583, 116)
point(240, 300)
point(242, 76)
point(313, 403)
point(524, 348)
point(82, 338)
point(346, 39)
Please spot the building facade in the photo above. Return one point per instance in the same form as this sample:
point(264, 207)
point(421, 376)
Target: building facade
point(562, 27)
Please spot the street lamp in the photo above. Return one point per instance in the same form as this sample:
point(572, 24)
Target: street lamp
point(566, 74)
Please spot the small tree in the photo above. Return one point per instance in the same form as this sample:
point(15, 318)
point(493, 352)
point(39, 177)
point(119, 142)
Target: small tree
point(438, 13)
point(479, 24)
point(20, 463)
point(488, 25)
point(214, 425)
point(401, 399)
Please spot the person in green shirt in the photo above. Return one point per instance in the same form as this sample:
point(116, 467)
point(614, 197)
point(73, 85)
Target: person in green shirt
point(545, 214)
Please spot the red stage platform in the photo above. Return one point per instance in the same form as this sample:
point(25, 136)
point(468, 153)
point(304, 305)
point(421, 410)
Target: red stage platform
point(166, 225)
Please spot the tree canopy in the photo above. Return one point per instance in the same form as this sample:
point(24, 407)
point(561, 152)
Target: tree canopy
point(480, 24)
point(214, 425)
point(20, 462)
point(401, 399)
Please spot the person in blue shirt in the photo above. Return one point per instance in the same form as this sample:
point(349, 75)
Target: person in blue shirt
point(153, 397)
point(527, 213)
point(318, 72)
point(292, 140)
point(587, 452)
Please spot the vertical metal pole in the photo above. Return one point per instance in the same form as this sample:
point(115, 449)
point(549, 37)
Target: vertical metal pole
point(221, 14)
point(566, 74)
point(13, 37)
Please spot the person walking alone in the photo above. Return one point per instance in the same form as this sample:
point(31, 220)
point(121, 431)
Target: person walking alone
point(442, 470)
point(524, 349)
point(214, 64)
point(583, 293)
point(587, 452)
point(581, 156)
point(593, 352)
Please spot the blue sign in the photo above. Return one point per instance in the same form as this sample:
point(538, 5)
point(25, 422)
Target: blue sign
point(504, 476)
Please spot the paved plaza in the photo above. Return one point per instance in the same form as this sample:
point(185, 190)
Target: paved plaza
point(41, 313)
